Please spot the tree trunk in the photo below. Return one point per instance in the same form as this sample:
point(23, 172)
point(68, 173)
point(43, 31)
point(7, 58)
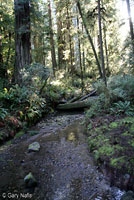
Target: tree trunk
point(83, 53)
point(79, 44)
point(70, 39)
point(8, 55)
point(54, 64)
point(78, 104)
point(130, 23)
point(106, 51)
point(101, 44)
point(60, 42)
point(1, 56)
point(3, 70)
point(22, 37)
point(89, 38)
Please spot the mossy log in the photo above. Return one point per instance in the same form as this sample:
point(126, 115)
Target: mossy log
point(78, 104)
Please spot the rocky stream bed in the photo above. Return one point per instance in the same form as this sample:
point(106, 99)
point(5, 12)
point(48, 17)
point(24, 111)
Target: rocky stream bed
point(63, 167)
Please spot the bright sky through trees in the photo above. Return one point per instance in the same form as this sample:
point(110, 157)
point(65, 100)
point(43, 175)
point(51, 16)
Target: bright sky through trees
point(123, 15)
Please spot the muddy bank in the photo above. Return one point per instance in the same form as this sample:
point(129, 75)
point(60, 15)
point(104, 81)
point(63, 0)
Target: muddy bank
point(63, 167)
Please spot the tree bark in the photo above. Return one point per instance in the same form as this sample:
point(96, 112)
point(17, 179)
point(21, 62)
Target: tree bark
point(22, 37)
point(9, 50)
point(1, 56)
point(101, 44)
point(83, 53)
point(3, 70)
point(53, 55)
point(80, 57)
point(89, 38)
point(70, 39)
point(106, 51)
point(60, 41)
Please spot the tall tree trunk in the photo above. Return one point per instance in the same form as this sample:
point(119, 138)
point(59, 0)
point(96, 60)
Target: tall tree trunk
point(130, 23)
point(101, 44)
point(8, 55)
point(22, 37)
point(106, 51)
point(3, 71)
point(89, 38)
point(79, 43)
point(60, 41)
point(70, 39)
point(83, 53)
point(53, 55)
point(76, 37)
point(1, 56)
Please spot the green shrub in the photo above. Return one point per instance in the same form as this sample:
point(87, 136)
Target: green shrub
point(123, 108)
point(35, 76)
point(117, 97)
point(3, 113)
point(122, 86)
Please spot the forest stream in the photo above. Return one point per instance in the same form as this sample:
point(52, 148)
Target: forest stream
point(63, 167)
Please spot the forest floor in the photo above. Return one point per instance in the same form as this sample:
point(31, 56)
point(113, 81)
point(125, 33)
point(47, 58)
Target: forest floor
point(63, 167)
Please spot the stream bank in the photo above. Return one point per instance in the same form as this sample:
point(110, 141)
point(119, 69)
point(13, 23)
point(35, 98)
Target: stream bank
point(63, 167)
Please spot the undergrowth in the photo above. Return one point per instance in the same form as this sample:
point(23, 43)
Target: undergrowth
point(109, 123)
point(116, 98)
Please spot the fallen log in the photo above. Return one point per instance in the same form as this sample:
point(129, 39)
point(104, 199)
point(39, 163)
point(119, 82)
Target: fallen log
point(81, 98)
point(78, 104)
point(92, 93)
point(74, 99)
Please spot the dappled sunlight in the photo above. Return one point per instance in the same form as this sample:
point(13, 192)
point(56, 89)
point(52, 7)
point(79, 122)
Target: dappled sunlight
point(71, 136)
point(56, 82)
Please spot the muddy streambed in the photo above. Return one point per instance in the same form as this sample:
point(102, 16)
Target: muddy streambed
point(63, 167)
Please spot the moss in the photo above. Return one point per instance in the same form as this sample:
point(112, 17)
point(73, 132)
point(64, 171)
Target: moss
point(113, 125)
point(106, 150)
point(113, 142)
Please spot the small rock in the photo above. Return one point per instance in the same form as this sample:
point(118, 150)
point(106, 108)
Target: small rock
point(30, 181)
point(34, 147)
point(128, 196)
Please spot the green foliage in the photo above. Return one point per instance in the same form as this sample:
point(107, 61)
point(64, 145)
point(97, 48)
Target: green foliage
point(128, 55)
point(35, 76)
point(113, 125)
point(116, 98)
point(22, 103)
point(3, 113)
point(19, 134)
point(123, 108)
point(54, 93)
point(122, 86)
point(112, 142)
point(116, 162)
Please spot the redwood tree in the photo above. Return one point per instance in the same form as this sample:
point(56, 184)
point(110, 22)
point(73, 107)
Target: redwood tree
point(53, 55)
point(101, 42)
point(22, 37)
